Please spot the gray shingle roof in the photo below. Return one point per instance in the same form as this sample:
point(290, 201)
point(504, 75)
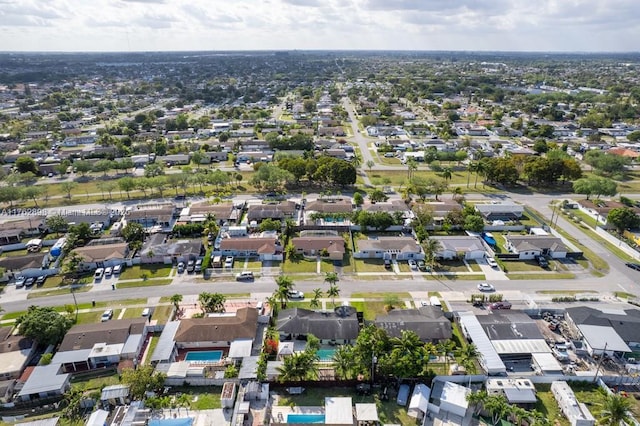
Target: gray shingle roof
point(427, 322)
point(323, 325)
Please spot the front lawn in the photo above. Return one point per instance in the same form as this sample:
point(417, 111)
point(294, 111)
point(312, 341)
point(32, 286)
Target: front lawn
point(369, 265)
point(369, 309)
point(57, 292)
point(452, 266)
point(522, 266)
point(95, 383)
point(300, 266)
point(144, 283)
point(151, 271)
point(93, 317)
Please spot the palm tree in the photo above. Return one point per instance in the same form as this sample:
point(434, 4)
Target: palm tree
point(615, 409)
point(412, 166)
point(317, 294)
point(333, 292)
point(282, 294)
point(272, 301)
point(343, 362)
point(431, 247)
point(480, 169)
point(477, 399)
point(447, 173)
point(497, 407)
point(370, 164)
point(176, 299)
point(470, 169)
point(331, 278)
point(468, 354)
point(356, 160)
point(444, 347)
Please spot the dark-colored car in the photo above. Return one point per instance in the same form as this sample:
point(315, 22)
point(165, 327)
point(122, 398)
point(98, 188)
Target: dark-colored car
point(29, 282)
point(542, 261)
point(387, 264)
point(635, 266)
point(500, 305)
point(40, 280)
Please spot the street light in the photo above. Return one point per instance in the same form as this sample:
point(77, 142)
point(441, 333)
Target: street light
point(73, 293)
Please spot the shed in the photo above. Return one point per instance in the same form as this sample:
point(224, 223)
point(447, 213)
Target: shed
point(547, 363)
point(338, 411)
point(454, 399)
point(419, 401)
point(115, 394)
point(366, 413)
point(98, 418)
point(240, 348)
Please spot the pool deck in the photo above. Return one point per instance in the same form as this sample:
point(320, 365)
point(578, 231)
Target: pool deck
point(279, 412)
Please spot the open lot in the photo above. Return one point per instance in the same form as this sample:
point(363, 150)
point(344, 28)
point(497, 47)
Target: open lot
point(299, 266)
point(150, 271)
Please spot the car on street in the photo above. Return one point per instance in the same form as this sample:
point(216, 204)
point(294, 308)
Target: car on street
point(106, 315)
point(228, 262)
point(20, 281)
point(180, 267)
point(492, 262)
point(500, 305)
point(40, 280)
point(486, 287)
point(244, 276)
point(413, 265)
point(98, 274)
point(635, 266)
point(295, 294)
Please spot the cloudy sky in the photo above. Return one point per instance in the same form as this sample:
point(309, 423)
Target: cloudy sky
point(134, 25)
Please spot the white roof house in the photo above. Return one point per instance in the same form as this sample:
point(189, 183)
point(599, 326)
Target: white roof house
point(45, 380)
point(599, 339)
point(489, 359)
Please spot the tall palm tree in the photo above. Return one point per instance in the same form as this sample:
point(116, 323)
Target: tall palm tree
point(447, 173)
point(497, 407)
point(272, 301)
point(343, 362)
point(615, 409)
point(477, 399)
point(282, 294)
point(176, 299)
point(467, 355)
point(431, 247)
point(470, 169)
point(317, 294)
point(480, 169)
point(412, 166)
point(331, 278)
point(333, 292)
point(356, 160)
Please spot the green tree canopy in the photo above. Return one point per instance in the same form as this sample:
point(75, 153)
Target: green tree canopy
point(43, 324)
point(143, 379)
point(623, 218)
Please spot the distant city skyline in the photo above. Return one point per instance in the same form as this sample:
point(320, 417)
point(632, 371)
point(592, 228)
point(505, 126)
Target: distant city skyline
point(175, 25)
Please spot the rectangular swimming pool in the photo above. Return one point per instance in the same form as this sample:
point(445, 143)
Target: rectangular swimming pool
point(326, 355)
point(204, 356)
point(306, 418)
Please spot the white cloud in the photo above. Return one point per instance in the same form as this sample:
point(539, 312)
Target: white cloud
point(567, 25)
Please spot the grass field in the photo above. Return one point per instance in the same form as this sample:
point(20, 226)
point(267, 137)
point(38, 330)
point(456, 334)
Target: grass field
point(549, 276)
point(57, 292)
point(144, 283)
point(301, 266)
point(151, 271)
point(522, 266)
point(369, 265)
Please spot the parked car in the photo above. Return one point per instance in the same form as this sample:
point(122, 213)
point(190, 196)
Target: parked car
point(387, 264)
point(245, 276)
point(146, 312)
point(296, 294)
point(99, 273)
point(228, 262)
point(108, 271)
point(106, 315)
point(542, 261)
point(500, 305)
point(424, 303)
point(117, 269)
point(20, 281)
point(198, 266)
point(635, 266)
point(40, 280)
point(492, 262)
point(191, 265)
point(180, 267)
point(485, 287)
point(422, 266)
point(413, 265)
point(29, 282)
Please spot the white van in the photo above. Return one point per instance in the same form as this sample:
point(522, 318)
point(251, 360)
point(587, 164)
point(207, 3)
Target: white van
point(260, 308)
point(435, 301)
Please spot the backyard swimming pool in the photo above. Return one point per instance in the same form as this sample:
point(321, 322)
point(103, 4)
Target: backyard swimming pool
point(204, 356)
point(306, 418)
point(326, 355)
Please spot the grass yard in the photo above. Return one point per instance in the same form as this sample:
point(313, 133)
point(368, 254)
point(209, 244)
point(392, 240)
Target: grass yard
point(388, 411)
point(369, 265)
point(95, 383)
point(205, 399)
point(254, 265)
point(301, 266)
point(522, 266)
point(548, 406)
point(474, 266)
point(369, 309)
point(326, 266)
point(348, 265)
point(452, 266)
point(400, 295)
point(548, 276)
point(93, 317)
point(132, 313)
point(162, 313)
point(152, 271)
point(144, 283)
point(57, 292)
point(153, 343)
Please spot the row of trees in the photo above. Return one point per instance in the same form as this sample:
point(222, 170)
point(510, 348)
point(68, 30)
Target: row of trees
point(323, 170)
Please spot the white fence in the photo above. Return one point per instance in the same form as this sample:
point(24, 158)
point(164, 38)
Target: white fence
point(618, 243)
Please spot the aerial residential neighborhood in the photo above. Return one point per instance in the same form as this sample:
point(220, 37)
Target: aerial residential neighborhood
point(317, 237)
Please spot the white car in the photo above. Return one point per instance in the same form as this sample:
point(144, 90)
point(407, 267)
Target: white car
point(228, 262)
point(107, 315)
point(117, 269)
point(108, 271)
point(492, 262)
point(413, 264)
point(296, 294)
point(424, 303)
point(485, 287)
point(20, 281)
point(99, 273)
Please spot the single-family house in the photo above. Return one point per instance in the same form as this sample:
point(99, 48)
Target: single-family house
point(213, 331)
point(530, 246)
point(96, 345)
point(12, 231)
point(340, 326)
point(102, 255)
point(158, 248)
point(281, 211)
point(28, 265)
point(332, 247)
point(44, 381)
point(459, 247)
point(428, 322)
point(391, 207)
point(224, 212)
point(613, 326)
point(15, 353)
point(329, 205)
point(262, 248)
point(399, 248)
point(500, 211)
point(149, 217)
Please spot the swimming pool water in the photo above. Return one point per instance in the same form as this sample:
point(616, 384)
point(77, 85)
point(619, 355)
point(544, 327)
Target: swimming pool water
point(326, 354)
point(305, 418)
point(211, 356)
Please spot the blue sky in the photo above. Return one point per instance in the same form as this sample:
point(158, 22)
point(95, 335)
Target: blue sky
point(133, 25)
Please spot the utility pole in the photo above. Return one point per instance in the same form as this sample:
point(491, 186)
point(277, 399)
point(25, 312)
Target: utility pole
point(73, 293)
point(604, 352)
